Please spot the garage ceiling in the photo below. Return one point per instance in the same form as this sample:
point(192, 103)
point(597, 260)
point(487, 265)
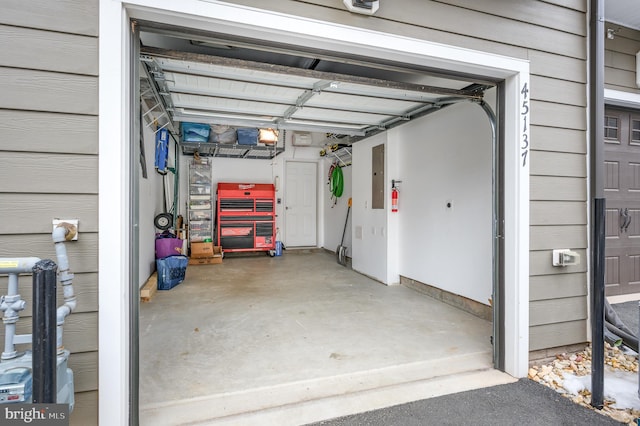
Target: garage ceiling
point(226, 82)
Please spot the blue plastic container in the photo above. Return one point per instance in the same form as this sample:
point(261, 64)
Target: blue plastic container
point(247, 136)
point(195, 132)
point(278, 248)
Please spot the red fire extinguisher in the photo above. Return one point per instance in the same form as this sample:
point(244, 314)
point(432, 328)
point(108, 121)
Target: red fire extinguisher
point(394, 199)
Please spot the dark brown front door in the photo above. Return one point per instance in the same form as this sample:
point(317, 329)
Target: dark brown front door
point(622, 192)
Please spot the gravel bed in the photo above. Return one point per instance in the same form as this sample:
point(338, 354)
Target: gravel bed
point(552, 374)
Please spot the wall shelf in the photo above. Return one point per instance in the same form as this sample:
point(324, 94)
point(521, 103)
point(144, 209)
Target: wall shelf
point(342, 156)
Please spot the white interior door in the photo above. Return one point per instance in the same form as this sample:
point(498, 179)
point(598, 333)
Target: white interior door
point(300, 204)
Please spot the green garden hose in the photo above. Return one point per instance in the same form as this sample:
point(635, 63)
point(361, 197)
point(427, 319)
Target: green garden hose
point(337, 182)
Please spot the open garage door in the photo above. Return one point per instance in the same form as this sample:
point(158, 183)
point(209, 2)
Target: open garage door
point(207, 79)
point(446, 66)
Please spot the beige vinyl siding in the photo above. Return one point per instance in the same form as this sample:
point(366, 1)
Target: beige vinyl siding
point(557, 310)
point(546, 163)
point(70, 16)
point(548, 335)
point(553, 188)
point(48, 91)
point(49, 173)
point(49, 51)
point(620, 59)
point(48, 152)
point(48, 132)
point(554, 139)
point(28, 206)
point(568, 285)
point(552, 36)
point(546, 213)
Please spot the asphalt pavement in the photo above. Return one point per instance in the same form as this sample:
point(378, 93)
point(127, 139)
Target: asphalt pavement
point(524, 402)
point(628, 314)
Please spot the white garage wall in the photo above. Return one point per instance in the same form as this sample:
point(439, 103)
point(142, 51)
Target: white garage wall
point(335, 214)
point(446, 157)
point(369, 225)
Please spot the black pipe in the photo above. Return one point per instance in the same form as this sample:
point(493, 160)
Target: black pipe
point(44, 332)
point(596, 186)
point(597, 303)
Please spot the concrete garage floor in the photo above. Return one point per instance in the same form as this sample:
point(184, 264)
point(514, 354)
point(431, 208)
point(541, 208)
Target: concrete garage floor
point(299, 338)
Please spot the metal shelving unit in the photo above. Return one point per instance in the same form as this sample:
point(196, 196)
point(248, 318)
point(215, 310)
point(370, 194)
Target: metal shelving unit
point(200, 204)
point(231, 150)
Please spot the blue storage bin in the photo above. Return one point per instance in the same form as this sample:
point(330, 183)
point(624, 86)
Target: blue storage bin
point(247, 136)
point(195, 132)
point(171, 271)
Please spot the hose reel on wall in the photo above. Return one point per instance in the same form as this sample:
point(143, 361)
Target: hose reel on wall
point(336, 182)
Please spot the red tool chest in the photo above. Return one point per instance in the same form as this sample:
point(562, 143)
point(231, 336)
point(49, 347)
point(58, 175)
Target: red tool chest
point(246, 216)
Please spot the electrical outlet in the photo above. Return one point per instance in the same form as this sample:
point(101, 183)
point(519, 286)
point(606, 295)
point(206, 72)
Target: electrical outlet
point(73, 222)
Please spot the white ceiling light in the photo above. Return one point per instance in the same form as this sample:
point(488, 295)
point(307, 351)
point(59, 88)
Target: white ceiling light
point(365, 7)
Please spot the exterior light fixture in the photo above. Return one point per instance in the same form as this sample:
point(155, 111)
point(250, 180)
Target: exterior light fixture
point(365, 7)
point(611, 33)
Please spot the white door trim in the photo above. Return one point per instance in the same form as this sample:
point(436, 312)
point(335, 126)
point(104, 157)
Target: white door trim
point(254, 23)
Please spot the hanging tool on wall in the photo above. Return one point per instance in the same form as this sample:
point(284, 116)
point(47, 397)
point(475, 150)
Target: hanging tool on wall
point(341, 251)
point(162, 150)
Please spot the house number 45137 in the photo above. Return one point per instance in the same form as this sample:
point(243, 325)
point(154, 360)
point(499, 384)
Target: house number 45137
point(524, 112)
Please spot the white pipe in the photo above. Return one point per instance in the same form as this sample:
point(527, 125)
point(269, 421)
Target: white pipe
point(12, 303)
point(64, 232)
